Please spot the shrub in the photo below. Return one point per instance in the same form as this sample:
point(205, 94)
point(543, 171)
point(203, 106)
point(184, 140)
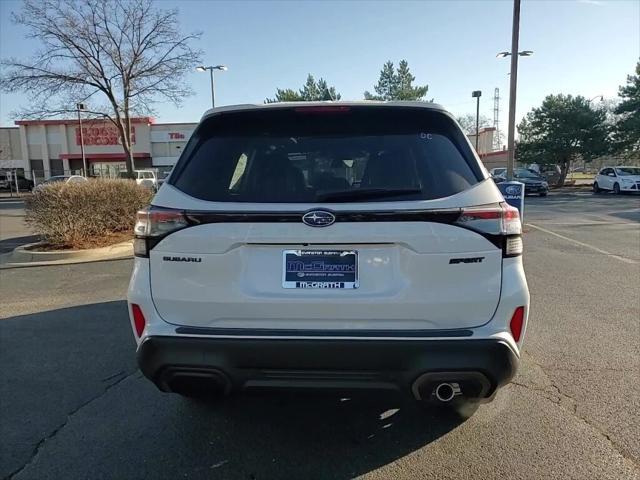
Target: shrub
point(88, 214)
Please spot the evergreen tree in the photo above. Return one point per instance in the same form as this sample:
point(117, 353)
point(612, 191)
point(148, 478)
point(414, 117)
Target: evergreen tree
point(326, 92)
point(406, 90)
point(627, 128)
point(396, 84)
point(386, 87)
point(310, 91)
point(563, 129)
point(286, 95)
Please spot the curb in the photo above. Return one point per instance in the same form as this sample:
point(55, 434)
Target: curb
point(20, 257)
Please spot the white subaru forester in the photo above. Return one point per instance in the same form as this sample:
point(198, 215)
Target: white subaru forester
point(330, 246)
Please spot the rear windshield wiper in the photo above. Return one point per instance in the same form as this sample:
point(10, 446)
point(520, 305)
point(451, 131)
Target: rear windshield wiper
point(365, 193)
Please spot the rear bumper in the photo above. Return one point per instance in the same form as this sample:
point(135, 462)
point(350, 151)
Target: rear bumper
point(222, 365)
point(535, 189)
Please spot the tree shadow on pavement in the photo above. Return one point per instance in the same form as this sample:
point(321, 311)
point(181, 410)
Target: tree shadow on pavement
point(72, 398)
point(633, 216)
point(8, 244)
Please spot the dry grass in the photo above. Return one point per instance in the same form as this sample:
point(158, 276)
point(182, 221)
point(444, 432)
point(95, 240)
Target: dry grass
point(91, 214)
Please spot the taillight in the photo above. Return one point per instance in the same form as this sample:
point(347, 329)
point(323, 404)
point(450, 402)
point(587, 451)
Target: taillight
point(516, 324)
point(500, 221)
point(139, 321)
point(152, 225)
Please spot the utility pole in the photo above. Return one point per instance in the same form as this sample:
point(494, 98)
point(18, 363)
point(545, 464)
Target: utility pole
point(496, 119)
point(213, 90)
point(85, 172)
point(477, 94)
point(515, 33)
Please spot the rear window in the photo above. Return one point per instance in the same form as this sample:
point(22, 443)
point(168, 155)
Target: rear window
point(311, 155)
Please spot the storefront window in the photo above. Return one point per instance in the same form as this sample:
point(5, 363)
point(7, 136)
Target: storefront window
point(107, 169)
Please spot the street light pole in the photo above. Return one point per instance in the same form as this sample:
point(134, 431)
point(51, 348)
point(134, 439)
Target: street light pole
point(515, 33)
point(477, 94)
point(202, 68)
point(80, 106)
point(213, 90)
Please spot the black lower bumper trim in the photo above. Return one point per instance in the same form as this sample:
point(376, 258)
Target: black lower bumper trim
point(241, 364)
point(268, 332)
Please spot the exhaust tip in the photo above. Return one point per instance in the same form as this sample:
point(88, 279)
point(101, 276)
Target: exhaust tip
point(446, 391)
point(197, 382)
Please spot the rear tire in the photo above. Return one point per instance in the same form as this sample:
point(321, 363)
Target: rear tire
point(616, 188)
point(596, 187)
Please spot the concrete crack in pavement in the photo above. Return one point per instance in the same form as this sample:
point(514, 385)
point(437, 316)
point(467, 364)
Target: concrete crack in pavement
point(121, 372)
point(573, 409)
point(38, 447)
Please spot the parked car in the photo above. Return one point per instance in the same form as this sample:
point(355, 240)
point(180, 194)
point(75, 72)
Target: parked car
point(498, 172)
point(146, 178)
point(533, 183)
point(5, 179)
point(618, 180)
point(62, 178)
point(340, 246)
point(8, 182)
point(163, 177)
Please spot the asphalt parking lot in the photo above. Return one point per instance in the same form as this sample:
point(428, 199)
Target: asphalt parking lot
point(74, 405)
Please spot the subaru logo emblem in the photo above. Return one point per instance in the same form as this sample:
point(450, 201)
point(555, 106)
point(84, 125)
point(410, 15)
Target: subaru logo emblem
point(512, 190)
point(318, 218)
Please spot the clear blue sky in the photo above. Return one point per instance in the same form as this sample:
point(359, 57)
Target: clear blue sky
point(582, 47)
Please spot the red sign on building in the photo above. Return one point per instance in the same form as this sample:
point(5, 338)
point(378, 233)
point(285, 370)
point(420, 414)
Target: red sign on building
point(102, 135)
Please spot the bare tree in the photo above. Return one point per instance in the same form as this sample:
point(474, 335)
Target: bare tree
point(119, 57)
point(468, 123)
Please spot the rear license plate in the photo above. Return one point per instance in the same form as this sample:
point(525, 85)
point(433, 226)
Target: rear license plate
point(320, 269)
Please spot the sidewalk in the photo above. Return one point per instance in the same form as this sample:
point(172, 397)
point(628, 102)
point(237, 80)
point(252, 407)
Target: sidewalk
point(7, 196)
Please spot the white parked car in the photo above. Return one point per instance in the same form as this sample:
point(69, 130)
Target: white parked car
point(62, 179)
point(146, 178)
point(617, 179)
point(340, 246)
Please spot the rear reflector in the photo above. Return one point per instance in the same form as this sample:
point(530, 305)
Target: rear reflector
point(139, 321)
point(517, 322)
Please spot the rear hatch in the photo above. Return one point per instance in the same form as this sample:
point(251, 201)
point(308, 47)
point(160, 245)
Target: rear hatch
point(326, 218)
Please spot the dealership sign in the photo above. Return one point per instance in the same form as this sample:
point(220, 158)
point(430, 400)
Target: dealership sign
point(513, 193)
point(170, 135)
point(102, 135)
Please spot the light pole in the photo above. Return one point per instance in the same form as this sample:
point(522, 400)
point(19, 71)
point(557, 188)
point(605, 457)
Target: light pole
point(515, 35)
point(477, 94)
point(601, 97)
point(80, 106)
point(202, 68)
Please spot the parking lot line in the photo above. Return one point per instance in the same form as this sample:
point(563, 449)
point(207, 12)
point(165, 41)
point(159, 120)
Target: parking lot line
point(582, 244)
